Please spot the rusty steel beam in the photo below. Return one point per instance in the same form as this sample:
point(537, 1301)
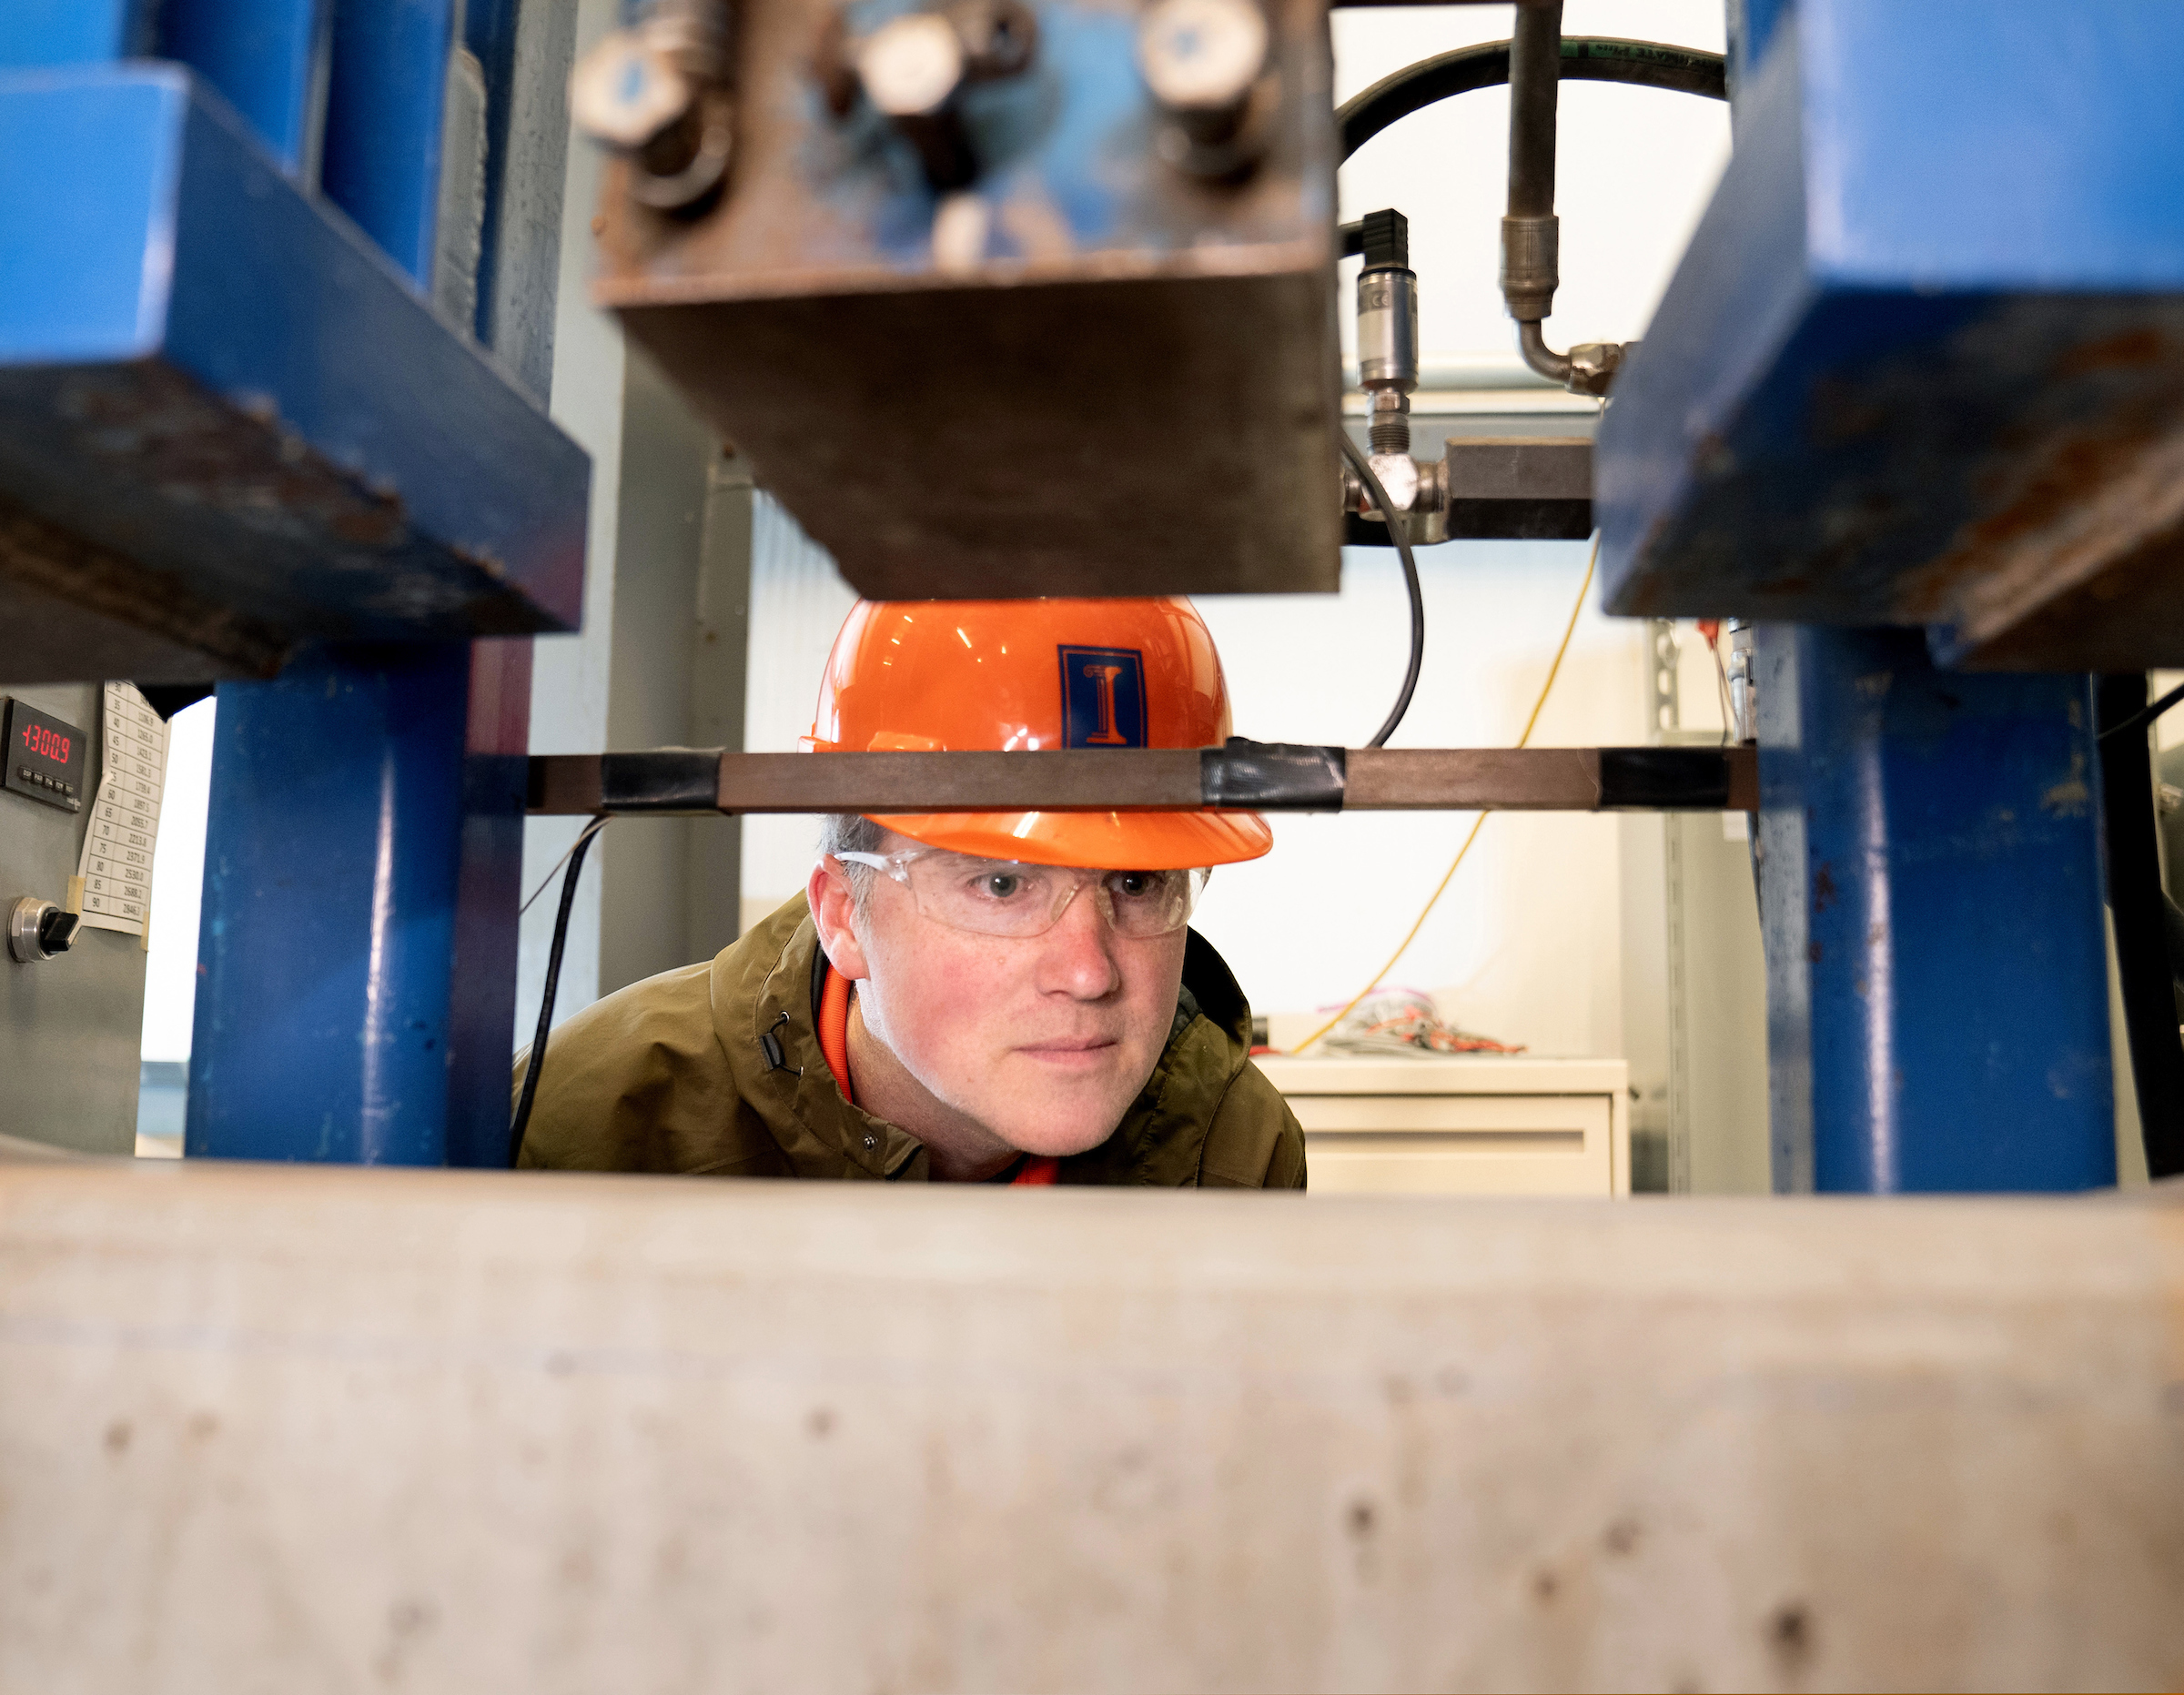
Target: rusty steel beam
point(1247, 775)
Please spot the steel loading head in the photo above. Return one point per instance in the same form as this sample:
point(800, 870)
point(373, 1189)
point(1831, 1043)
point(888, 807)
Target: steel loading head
point(975, 326)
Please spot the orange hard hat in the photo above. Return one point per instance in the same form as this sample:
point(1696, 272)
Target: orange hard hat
point(934, 675)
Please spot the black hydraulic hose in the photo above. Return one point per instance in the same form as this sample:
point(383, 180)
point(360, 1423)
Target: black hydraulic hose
point(1397, 533)
point(553, 979)
point(1584, 58)
point(2139, 720)
point(1535, 80)
point(2138, 904)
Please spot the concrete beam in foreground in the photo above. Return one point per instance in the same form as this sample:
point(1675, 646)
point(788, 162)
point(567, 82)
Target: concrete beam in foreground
point(293, 1429)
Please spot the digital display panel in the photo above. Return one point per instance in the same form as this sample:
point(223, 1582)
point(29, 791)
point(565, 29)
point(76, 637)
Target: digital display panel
point(46, 757)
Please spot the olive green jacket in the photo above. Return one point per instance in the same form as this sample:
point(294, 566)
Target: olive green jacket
point(715, 1070)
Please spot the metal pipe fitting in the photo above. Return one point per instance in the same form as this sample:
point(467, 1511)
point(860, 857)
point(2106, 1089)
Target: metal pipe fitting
point(1387, 425)
point(1531, 233)
point(1531, 266)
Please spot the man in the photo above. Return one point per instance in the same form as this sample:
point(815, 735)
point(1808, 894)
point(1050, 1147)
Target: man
point(961, 998)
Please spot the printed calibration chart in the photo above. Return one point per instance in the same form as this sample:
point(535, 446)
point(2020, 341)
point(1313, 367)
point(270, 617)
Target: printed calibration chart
point(116, 870)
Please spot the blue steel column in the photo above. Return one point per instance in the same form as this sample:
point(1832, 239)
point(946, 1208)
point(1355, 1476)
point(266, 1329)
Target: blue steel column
point(356, 993)
point(331, 863)
point(383, 112)
point(1931, 898)
point(269, 58)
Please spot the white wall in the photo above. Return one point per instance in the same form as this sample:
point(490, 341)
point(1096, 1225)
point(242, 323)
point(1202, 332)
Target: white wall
point(171, 966)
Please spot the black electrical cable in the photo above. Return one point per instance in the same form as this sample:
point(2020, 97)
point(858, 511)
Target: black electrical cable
point(1585, 58)
point(1397, 533)
point(553, 979)
point(2145, 716)
point(2136, 902)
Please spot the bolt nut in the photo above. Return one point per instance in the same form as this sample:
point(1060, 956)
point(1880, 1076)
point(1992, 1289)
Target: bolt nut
point(627, 92)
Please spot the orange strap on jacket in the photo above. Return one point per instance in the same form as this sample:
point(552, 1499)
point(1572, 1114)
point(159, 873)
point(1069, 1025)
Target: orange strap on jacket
point(834, 1043)
point(833, 1030)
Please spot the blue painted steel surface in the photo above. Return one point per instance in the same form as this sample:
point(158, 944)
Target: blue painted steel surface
point(325, 994)
point(383, 111)
point(39, 33)
point(205, 372)
point(90, 164)
point(1925, 357)
point(1752, 27)
point(268, 58)
point(496, 776)
point(1931, 898)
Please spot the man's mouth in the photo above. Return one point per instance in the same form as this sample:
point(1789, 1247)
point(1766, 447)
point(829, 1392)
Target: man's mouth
point(1068, 1050)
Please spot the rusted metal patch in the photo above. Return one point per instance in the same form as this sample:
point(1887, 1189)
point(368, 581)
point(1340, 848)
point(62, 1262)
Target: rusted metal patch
point(47, 559)
point(138, 494)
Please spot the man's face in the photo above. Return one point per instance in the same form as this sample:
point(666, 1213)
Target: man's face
point(1043, 1040)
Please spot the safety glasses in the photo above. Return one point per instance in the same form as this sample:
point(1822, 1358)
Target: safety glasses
point(1007, 897)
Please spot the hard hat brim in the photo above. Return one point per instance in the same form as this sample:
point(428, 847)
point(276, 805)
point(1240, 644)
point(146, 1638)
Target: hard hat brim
point(1100, 841)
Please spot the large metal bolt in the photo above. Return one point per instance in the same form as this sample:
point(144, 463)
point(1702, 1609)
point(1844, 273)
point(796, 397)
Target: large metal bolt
point(632, 93)
point(912, 68)
point(1203, 60)
point(1201, 57)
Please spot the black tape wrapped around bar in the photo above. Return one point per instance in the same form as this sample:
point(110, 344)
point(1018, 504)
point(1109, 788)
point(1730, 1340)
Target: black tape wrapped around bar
point(1664, 778)
point(661, 779)
point(1273, 776)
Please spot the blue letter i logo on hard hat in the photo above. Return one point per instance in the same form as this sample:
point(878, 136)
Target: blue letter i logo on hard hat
point(1103, 698)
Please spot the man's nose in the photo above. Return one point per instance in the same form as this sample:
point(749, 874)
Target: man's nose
point(1078, 955)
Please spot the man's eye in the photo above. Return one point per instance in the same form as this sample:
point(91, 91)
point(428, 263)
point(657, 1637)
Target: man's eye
point(1001, 885)
point(1136, 884)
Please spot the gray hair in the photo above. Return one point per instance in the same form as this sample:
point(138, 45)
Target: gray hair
point(853, 832)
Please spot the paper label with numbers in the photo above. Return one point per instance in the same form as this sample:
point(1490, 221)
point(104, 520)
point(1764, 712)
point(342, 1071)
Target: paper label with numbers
point(124, 819)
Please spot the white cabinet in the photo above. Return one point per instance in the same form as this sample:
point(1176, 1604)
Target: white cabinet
point(1461, 1124)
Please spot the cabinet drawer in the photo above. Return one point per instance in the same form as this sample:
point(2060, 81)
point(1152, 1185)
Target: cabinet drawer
point(1457, 1144)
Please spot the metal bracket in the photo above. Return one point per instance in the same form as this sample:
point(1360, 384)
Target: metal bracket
point(1244, 774)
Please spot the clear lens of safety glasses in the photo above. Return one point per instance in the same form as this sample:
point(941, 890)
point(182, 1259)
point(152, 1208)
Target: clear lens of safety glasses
point(1004, 897)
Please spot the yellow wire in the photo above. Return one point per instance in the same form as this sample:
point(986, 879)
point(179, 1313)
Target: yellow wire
point(1531, 723)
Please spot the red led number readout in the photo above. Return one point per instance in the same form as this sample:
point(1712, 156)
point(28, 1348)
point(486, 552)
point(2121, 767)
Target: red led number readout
point(42, 742)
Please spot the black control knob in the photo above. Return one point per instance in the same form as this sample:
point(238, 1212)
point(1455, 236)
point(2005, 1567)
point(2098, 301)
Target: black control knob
point(37, 929)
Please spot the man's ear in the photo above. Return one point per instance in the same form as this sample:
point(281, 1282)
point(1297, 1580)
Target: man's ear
point(834, 910)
